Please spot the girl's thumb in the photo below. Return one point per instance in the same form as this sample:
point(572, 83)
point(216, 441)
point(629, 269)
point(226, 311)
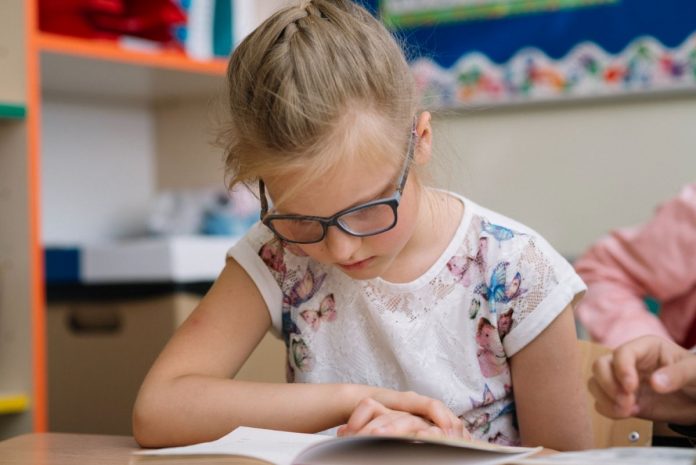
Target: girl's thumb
point(676, 376)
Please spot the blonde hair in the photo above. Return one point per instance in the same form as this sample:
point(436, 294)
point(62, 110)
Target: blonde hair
point(304, 81)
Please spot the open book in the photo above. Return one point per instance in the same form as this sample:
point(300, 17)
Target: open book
point(283, 448)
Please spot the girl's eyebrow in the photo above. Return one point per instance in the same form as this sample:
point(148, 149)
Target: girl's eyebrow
point(381, 194)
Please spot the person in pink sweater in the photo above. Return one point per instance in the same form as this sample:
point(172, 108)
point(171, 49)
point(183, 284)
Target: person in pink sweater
point(656, 260)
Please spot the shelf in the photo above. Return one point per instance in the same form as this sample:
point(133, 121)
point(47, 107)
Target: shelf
point(12, 111)
point(106, 69)
point(13, 403)
point(112, 51)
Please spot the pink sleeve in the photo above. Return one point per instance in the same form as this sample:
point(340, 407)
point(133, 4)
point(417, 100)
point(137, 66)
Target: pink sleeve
point(655, 260)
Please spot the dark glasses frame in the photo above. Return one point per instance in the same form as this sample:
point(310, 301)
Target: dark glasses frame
point(334, 220)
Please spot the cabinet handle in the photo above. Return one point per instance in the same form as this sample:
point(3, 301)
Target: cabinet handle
point(101, 321)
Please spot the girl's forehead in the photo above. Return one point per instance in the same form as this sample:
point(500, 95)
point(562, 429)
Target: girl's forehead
point(357, 161)
point(341, 186)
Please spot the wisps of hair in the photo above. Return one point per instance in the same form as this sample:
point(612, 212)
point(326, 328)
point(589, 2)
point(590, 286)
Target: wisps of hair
point(295, 80)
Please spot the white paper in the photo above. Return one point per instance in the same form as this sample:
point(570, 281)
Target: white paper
point(620, 456)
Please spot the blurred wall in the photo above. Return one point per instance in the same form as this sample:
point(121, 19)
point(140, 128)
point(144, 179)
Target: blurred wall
point(572, 171)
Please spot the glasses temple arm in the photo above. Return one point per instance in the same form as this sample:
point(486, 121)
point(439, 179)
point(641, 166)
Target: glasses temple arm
point(409, 159)
point(262, 198)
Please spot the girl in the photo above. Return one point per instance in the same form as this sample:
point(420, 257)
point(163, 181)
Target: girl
point(377, 284)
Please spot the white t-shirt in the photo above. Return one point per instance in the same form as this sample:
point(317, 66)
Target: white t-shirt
point(448, 334)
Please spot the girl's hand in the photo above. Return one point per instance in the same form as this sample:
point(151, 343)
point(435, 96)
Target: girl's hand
point(425, 407)
point(371, 417)
point(650, 378)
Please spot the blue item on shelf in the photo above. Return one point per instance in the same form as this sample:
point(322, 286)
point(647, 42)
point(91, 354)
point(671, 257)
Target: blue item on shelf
point(222, 28)
point(62, 264)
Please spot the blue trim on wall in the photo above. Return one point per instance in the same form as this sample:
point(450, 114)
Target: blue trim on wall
point(611, 26)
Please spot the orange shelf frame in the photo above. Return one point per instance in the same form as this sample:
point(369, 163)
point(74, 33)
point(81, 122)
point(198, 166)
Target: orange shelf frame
point(36, 263)
point(112, 51)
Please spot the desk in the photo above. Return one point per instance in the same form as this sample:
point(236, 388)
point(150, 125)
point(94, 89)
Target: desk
point(66, 449)
point(80, 449)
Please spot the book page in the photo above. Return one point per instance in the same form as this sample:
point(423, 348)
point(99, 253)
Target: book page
point(409, 451)
point(277, 447)
point(284, 448)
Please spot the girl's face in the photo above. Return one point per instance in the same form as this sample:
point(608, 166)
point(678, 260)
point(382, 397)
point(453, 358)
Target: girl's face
point(351, 184)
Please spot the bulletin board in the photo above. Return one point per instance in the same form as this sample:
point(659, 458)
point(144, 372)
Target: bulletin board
point(483, 52)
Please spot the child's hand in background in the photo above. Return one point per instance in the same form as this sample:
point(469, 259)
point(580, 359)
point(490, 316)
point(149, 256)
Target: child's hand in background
point(403, 414)
point(648, 377)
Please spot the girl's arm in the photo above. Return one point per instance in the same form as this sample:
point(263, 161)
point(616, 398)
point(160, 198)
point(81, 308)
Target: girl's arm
point(550, 398)
point(188, 396)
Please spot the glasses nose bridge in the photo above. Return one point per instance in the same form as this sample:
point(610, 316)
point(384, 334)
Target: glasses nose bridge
point(340, 244)
point(333, 221)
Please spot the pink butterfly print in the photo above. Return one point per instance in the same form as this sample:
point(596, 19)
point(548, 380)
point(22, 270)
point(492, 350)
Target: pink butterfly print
point(505, 323)
point(304, 289)
point(294, 249)
point(479, 422)
point(326, 312)
point(272, 255)
point(459, 266)
point(490, 354)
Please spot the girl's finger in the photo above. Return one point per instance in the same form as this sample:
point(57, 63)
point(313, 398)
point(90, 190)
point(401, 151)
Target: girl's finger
point(432, 432)
point(366, 411)
point(395, 424)
point(431, 409)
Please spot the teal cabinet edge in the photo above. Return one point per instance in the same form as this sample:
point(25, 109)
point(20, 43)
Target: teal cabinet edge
point(12, 111)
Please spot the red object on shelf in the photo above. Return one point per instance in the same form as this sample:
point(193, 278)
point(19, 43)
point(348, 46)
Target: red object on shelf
point(110, 19)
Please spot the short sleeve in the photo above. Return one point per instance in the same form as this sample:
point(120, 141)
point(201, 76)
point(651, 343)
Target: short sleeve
point(547, 285)
point(248, 253)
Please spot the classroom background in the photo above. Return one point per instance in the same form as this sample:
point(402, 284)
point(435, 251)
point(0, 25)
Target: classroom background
point(113, 215)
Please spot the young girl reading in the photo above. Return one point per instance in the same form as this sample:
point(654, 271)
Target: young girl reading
point(404, 309)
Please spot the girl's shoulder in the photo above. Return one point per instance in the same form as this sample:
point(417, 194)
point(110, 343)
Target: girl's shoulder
point(511, 236)
point(517, 279)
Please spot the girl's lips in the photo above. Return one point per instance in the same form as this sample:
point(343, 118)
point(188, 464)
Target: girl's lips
point(356, 265)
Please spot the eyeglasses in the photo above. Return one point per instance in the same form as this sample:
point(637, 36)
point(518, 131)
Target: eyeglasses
point(368, 219)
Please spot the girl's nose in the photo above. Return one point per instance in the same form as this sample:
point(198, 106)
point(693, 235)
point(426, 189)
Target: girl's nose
point(340, 245)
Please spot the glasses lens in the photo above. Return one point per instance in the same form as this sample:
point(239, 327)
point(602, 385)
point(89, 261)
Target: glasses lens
point(297, 230)
point(369, 220)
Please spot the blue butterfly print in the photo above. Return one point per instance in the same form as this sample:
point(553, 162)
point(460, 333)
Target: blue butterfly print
point(289, 327)
point(497, 290)
point(500, 233)
point(509, 408)
point(487, 399)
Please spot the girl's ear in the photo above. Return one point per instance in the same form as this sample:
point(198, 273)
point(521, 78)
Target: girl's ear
point(425, 139)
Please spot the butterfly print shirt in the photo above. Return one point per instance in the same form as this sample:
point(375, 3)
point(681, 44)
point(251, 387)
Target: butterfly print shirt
point(448, 334)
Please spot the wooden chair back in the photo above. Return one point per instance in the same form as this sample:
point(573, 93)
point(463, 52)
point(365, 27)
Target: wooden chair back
point(631, 432)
